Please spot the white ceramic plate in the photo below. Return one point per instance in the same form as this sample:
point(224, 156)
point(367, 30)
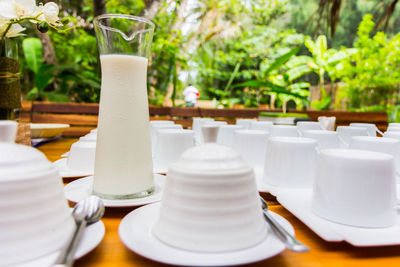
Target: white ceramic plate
point(47, 130)
point(268, 188)
point(91, 238)
point(135, 231)
point(81, 188)
point(298, 202)
point(66, 172)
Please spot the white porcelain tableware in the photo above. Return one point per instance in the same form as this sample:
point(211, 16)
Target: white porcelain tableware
point(261, 125)
point(327, 123)
point(284, 131)
point(393, 129)
point(82, 154)
point(210, 203)
point(226, 133)
point(245, 123)
point(92, 236)
point(371, 128)
point(384, 145)
point(325, 139)
point(171, 143)
point(290, 162)
point(307, 125)
point(196, 127)
point(392, 134)
point(136, 232)
point(252, 146)
point(83, 187)
point(163, 126)
point(298, 202)
point(8, 130)
point(346, 132)
point(34, 215)
point(355, 187)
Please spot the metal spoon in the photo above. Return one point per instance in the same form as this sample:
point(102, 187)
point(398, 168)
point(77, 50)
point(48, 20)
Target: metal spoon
point(86, 211)
point(289, 240)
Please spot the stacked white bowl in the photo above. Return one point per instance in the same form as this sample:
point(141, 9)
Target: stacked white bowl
point(210, 202)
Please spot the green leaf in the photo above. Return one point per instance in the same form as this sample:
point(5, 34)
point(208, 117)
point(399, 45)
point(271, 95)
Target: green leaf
point(321, 104)
point(270, 87)
point(281, 60)
point(233, 75)
point(56, 97)
point(297, 72)
point(340, 55)
point(32, 94)
point(44, 77)
point(32, 48)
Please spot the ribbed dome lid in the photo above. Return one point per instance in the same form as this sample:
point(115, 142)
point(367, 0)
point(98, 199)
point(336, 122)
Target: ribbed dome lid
point(21, 162)
point(210, 157)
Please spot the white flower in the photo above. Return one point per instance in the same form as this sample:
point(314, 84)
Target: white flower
point(12, 9)
point(50, 11)
point(15, 30)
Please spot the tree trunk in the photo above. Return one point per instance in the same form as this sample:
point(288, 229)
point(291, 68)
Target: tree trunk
point(49, 55)
point(99, 7)
point(151, 10)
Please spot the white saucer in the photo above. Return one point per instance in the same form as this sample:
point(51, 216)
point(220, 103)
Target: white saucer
point(274, 190)
point(81, 188)
point(298, 202)
point(91, 238)
point(135, 231)
point(61, 164)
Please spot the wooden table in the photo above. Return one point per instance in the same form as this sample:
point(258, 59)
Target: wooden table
point(111, 251)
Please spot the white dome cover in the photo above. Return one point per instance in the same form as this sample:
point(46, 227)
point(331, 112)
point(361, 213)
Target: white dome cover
point(210, 202)
point(34, 216)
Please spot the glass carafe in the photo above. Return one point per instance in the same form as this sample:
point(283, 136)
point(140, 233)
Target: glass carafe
point(123, 164)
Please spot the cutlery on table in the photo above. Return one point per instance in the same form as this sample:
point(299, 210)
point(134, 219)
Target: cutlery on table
point(85, 212)
point(289, 240)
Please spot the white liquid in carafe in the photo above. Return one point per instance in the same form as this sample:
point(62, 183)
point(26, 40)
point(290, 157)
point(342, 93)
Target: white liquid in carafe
point(123, 164)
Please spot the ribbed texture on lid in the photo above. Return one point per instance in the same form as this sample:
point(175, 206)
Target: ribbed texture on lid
point(21, 162)
point(210, 157)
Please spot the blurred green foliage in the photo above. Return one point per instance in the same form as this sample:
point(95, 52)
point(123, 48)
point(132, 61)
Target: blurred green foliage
point(235, 53)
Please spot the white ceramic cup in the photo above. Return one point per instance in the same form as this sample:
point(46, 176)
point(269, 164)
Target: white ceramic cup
point(252, 145)
point(210, 133)
point(226, 133)
point(154, 132)
point(290, 162)
point(384, 145)
point(261, 125)
point(346, 132)
point(196, 127)
point(307, 125)
point(371, 128)
point(246, 123)
point(325, 139)
point(82, 154)
point(355, 187)
point(284, 131)
point(393, 129)
point(8, 131)
point(171, 143)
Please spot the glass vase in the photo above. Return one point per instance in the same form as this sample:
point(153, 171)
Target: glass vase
point(10, 88)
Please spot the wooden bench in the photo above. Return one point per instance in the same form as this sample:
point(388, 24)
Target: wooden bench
point(83, 116)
